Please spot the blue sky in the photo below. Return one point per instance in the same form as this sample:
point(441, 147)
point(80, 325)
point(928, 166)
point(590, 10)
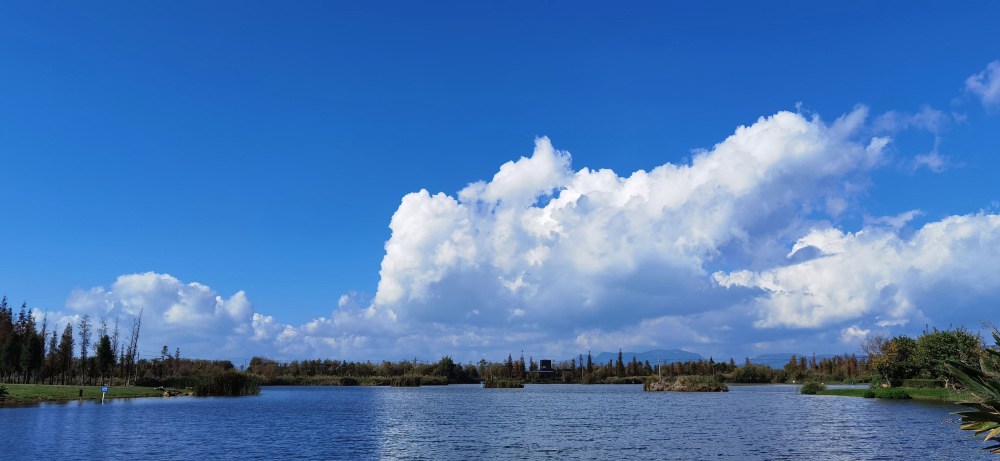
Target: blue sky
point(162, 154)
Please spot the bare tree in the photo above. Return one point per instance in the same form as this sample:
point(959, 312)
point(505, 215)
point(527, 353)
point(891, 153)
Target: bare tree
point(84, 333)
point(114, 347)
point(874, 346)
point(131, 371)
point(102, 330)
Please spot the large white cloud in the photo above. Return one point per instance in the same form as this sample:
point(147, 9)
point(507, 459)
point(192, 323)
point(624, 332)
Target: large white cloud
point(737, 249)
point(556, 245)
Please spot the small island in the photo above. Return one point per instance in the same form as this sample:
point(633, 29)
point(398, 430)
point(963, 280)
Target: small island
point(685, 383)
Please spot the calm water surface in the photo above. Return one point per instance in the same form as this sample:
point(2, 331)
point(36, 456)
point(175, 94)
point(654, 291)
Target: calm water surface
point(466, 422)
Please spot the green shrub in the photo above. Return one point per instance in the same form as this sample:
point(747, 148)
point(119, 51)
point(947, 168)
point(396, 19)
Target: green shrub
point(503, 384)
point(812, 388)
point(983, 382)
point(3, 393)
point(227, 383)
point(887, 393)
point(347, 381)
point(924, 383)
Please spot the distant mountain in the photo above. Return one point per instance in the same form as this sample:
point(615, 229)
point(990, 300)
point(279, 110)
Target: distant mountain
point(664, 356)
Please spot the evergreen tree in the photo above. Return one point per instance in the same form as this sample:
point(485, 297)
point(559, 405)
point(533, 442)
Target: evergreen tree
point(619, 365)
point(52, 358)
point(6, 321)
point(105, 357)
point(66, 352)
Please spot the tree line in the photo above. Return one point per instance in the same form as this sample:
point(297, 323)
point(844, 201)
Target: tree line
point(885, 360)
point(30, 353)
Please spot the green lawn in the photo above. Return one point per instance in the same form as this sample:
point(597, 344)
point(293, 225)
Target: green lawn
point(942, 395)
point(43, 392)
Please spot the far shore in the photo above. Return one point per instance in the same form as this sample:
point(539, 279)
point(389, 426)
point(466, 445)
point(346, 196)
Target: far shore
point(26, 394)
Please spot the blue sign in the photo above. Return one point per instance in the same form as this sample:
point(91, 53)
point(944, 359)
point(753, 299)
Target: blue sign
point(104, 388)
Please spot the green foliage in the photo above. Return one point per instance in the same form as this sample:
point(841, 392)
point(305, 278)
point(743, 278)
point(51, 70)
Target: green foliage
point(752, 374)
point(811, 388)
point(936, 348)
point(893, 393)
point(984, 383)
point(918, 383)
point(3, 393)
point(105, 356)
point(229, 383)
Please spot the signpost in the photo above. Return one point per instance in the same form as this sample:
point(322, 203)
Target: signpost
point(104, 390)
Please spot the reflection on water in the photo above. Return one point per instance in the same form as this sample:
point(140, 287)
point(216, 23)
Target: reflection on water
point(466, 422)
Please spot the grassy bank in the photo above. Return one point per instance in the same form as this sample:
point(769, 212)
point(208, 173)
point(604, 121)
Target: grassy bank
point(936, 395)
point(24, 393)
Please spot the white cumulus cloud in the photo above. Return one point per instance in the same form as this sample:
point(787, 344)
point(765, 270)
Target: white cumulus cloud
point(941, 273)
point(544, 246)
point(738, 248)
point(986, 84)
point(174, 313)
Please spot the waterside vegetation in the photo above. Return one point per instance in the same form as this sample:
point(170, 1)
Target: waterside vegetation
point(39, 364)
point(685, 383)
point(983, 382)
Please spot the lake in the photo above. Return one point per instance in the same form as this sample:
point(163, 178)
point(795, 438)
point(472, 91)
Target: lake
point(467, 422)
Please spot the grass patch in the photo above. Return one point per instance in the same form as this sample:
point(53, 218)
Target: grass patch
point(22, 393)
point(937, 395)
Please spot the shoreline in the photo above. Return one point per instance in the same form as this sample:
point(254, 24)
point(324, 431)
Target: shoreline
point(26, 394)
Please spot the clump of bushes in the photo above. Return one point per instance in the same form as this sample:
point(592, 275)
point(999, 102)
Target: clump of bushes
point(685, 383)
point(433, 380)
point(503, 384)
point(3, 393)
point(405, 381)
point(229, 383)
point(894, 393)
point(811, 388)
